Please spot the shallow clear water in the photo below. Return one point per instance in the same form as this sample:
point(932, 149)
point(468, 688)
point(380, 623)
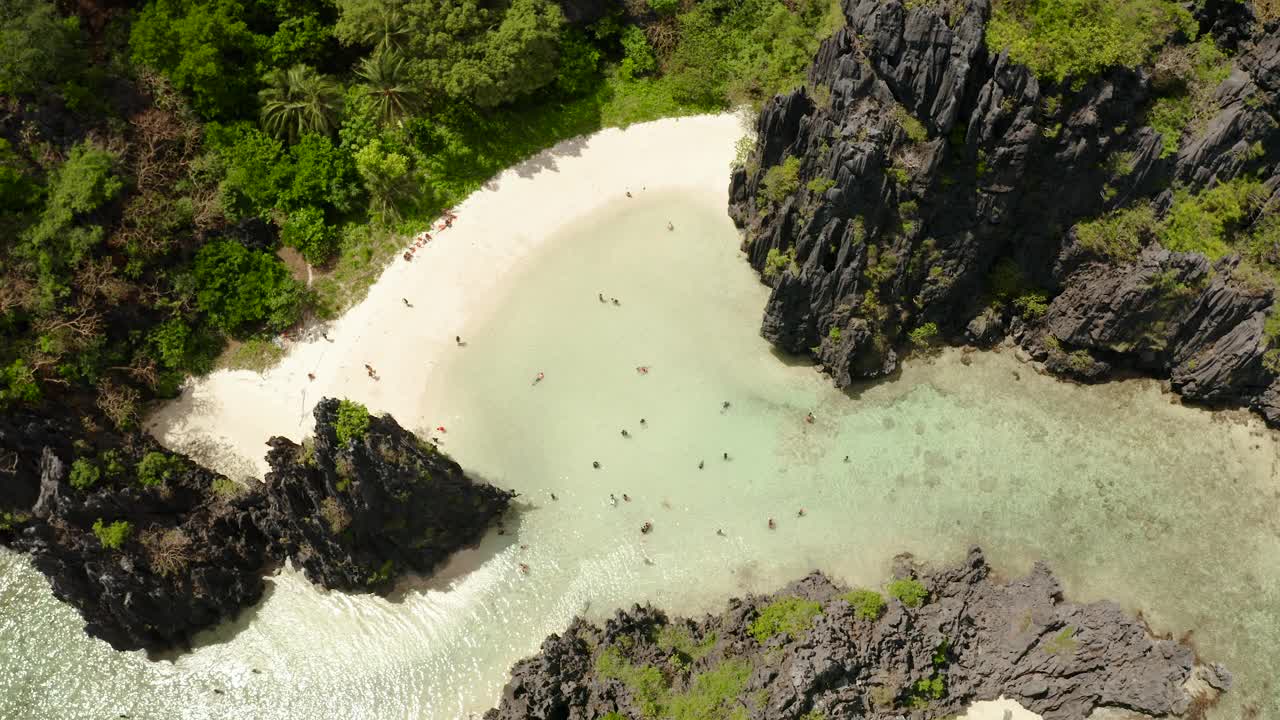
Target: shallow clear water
point(1166, 509)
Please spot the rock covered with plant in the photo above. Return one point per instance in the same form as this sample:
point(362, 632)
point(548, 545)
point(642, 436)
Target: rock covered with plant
point(1096, 181)
point(364, 500)
point(148, 546)
point(930, 645)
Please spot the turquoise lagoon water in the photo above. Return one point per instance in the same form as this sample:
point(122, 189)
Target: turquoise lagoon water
point(1166, 509)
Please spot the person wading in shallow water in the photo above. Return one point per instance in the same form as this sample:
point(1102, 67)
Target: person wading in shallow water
point(538, 378)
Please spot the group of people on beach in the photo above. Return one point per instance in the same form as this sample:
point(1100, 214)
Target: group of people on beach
point(421, 239)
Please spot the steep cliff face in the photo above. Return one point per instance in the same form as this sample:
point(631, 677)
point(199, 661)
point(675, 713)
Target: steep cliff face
point(922, 182)
point(176, 547)
point(365, 500)
point(945, 640)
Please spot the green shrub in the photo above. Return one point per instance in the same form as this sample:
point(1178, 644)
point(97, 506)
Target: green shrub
point(1209, 222)
point(1186, 79)
point(791, 616)
point(776, 262)
point(579, 65)
point(712, 695)
point(18, 384)
point(112, 536)
point(911, 592)
point(924, 336)
point(645, 682)
point(664, 7)
point(928, 690)
point(244, 289)
point(674, 638)
point(352, 422)
point(781, 180)
point(84, 474)
point(307, 232)
point(1121, 234)
point(914, 129)
point(819, 186)
point(1032, 305)
point(1059, 39)
point(834, 334)
point(637, 56)
point(867, 604)
point(225, 487)
point(157, 468)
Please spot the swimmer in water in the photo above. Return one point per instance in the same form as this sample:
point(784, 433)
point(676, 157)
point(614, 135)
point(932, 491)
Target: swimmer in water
point(524, 568)
point(595, 464)
point(699, 464)
point(626, 497)
point(613, 500)
point(801, 513)
point(553, 496)
point(724, 406)
point(726, 456)
point(846, 458)
point(537, 379)
point(614, 301)
point(720, 532)
point(643, 423)
point(809, 418)
point(626, 434)
point(670, 227)
point(601, 296)
point(772, 525)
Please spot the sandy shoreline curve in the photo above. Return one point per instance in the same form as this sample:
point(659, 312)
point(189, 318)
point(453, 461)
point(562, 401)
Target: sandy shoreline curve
point(225, 418)
point(455, 280)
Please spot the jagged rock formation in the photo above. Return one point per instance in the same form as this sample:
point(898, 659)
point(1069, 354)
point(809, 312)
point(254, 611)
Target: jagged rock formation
point(973, 638)
point(192, 556)
point(923, 167)
point(197, 544)
point(357, 514)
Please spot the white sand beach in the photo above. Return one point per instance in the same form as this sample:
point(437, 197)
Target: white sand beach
point(224, 418)
point(1002, 709)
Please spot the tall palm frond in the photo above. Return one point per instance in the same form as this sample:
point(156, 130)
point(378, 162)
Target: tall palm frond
point(389, 30)
point(300, 100)
point(385, 78)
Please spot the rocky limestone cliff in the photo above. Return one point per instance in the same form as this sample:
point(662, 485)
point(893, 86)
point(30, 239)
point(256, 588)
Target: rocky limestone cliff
point(357, 513)
point(928, 175)
point(971, 638)
point(192, 554)
point(179, 548)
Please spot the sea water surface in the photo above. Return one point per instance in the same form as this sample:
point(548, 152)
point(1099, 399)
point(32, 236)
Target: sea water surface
point(1168, 510)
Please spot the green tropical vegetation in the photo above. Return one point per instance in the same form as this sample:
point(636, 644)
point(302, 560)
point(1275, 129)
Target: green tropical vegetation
point(1061, 39)
point(911, 592)
point(787, 616)
point(713, 694)
point(867, 604)
point(113, 536)
point(353, 421)
point(185, 148)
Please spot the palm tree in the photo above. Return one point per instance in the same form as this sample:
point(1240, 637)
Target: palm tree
point(384, 78)
point(387, 29)
point(300, 100)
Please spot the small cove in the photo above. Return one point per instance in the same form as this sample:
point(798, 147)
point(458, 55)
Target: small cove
point(1166, 509)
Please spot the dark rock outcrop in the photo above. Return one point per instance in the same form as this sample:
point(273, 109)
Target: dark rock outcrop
point(924, 169)
point(193, 554)
point(973, 638)
point(198, 544)
point(357, 514)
